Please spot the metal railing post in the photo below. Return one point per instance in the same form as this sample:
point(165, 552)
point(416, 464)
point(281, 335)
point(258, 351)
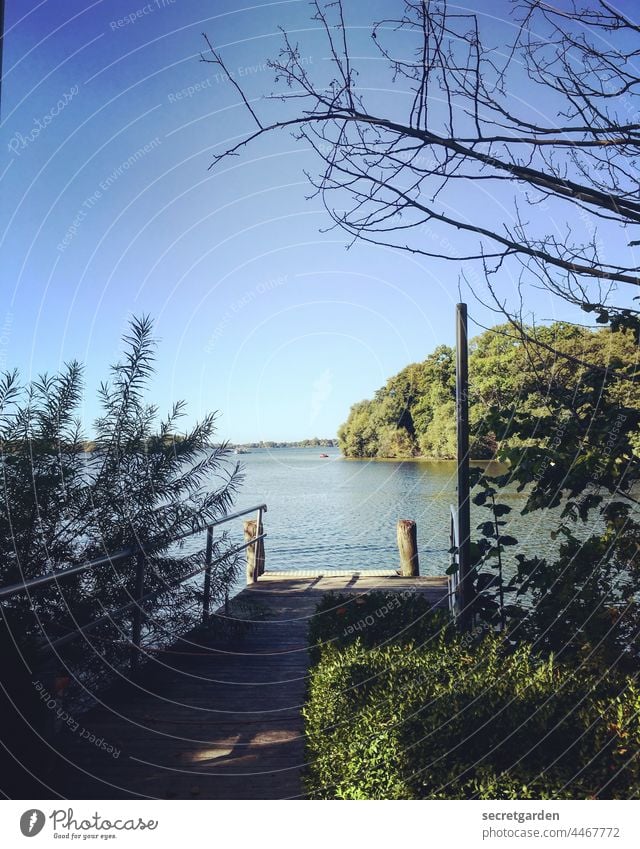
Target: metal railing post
point(453, 577)
point(259, 544)
point(206, 601)
point(462, 454)
point(136, 626)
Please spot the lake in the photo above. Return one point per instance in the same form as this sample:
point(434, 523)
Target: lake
point(336, 513)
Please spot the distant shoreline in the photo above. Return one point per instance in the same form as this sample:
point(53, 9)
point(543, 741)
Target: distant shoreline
point(89, 447)
point(334, 444)
point(303, 443)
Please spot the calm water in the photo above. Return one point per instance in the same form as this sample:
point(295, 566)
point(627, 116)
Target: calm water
point(337, 513)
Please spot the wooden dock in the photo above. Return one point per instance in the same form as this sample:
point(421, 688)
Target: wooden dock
point(219, 717)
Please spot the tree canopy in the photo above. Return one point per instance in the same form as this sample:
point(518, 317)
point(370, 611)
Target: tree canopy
point(517, 400)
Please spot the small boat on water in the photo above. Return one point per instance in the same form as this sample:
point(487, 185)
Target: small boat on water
point(324, 455)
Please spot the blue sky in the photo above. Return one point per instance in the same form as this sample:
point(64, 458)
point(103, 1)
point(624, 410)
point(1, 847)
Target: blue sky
point(258, 313)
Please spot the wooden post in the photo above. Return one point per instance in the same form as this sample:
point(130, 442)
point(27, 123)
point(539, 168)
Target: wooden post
point(206, 601)
point(407, 535)
point(137, 611)
point(255, 552)
point(462, 433)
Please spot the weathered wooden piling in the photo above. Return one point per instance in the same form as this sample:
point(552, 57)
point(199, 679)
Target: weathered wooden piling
point(407, 534)
point(255, 552)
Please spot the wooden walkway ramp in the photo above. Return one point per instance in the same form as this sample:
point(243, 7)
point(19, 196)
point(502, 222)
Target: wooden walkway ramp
point(219, 718)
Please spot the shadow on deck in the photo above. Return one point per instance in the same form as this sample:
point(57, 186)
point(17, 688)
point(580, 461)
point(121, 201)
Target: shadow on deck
point(219, 717)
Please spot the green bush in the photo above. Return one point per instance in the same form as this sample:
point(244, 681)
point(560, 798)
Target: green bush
point(376, 619)
point(454, 719)
point(64, 500)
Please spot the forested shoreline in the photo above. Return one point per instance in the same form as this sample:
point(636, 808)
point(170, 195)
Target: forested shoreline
point(413, 414)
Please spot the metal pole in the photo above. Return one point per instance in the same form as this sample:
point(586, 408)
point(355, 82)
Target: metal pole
point(207, 576)
point(462, 429)
point(260, 544)
point(137, 611)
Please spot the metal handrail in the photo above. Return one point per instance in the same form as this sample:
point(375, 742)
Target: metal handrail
point(139, 597)
point(108, 617)
point(44, 580)
point(262, 507)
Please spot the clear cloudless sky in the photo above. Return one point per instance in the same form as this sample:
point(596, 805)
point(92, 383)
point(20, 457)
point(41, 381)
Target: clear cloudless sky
point(258, 312)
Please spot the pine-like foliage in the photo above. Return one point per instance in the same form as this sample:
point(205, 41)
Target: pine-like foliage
point(141, 485)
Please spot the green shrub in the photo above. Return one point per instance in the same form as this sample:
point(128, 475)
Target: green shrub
point(376, 619)
point(457, 720)
point(65, 501)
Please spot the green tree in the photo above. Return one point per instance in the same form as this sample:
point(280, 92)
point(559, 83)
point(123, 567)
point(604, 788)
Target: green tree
point(357, 437)
point(439, 439)
point(395, 443)
point(395, 421)
point(570, 438)
point(142, 485)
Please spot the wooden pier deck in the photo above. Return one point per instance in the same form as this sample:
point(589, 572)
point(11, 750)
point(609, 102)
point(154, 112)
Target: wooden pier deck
point(219, 718)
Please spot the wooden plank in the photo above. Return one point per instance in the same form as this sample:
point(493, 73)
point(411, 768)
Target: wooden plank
point(329, 573)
